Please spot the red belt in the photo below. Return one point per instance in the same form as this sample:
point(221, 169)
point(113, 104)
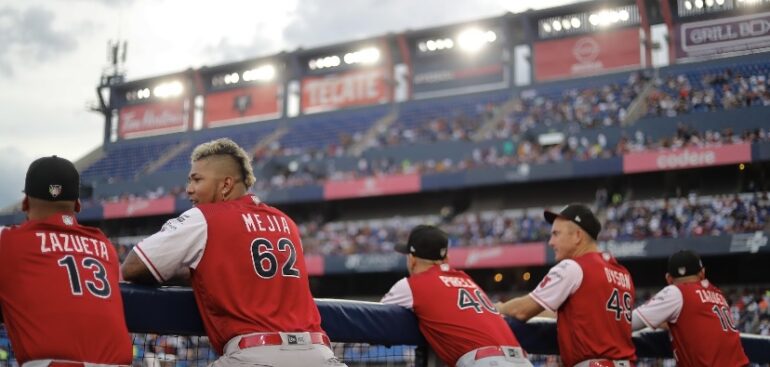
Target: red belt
point(258, 340)
point(485, 352)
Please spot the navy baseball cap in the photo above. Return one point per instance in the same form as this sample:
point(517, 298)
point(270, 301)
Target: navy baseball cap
point(578, 214)
point(52, 179)
point(426, 242)
point(683, 263)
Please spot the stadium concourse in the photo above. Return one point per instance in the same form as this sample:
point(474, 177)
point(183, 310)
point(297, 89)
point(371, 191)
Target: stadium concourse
point(627, 106)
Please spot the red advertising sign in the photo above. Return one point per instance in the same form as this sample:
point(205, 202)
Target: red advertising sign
point(372, 186)
point(353, 88)
point(139, 207)
point(260, 102)
point(587, 54)
point(152, 119)
point(686, 158)
point(497, 256)
point(314, 265)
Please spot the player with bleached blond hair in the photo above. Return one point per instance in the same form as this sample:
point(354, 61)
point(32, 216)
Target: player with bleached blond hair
point(246, 265)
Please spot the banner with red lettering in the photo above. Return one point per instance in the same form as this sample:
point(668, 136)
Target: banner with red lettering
point(734, 35)
point(314, 265)
point(478, 257)
point(139, 207)
point(152, 119)
point(596, 53)
point(258, 102)
point(352, 88)
point(666, 160)
point(372, 186)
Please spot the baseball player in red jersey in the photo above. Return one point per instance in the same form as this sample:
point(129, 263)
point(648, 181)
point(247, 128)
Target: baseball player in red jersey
point(59, 290)
point(455, 315)
point(245, 262)
point(698, 316)
point(590, 292)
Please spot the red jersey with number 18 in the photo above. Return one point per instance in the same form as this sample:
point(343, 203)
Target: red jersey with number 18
point(455, 314)
point(59, 293)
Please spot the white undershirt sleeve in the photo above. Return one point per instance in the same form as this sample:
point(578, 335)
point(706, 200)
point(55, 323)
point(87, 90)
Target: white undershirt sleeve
point(561, 282)
point(177, 247)
point(664, 306)
point(400, 294)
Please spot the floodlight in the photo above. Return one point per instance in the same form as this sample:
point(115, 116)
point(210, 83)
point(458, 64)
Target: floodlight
point(546, 27)
point(566, 24)
point(575, 22)
point(556, 25)
point(167, 90)
point(471, 40)
point(261, 73)
point(593, 19)
point(699, 4)
point(623, 15)
point(688, 5)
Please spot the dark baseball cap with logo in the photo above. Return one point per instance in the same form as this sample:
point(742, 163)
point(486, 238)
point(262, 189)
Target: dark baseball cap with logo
point(683, 263)
point(578, 214)
point(426, 242)
point(52, 179)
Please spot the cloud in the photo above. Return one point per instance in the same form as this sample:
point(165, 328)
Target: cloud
point(29, 36)
point(13, 167)
point(314, 24)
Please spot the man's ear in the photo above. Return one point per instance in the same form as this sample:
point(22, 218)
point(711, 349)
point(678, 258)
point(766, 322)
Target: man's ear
point(77, 206)
point(669, 279)
point(25, 204)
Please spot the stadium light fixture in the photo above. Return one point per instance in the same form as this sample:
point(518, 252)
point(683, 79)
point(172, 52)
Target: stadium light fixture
point(575, 22)
point(324, 62)
point(168, 90)
point(368, 55)
point(699, 4)
point(720, 2)
point(556, 25)
point(547, 27)
point(474, 39)
point(262, 73)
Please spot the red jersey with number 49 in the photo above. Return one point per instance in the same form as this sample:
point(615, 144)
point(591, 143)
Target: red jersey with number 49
point(704, 333)
point(59, 293)
point(252, 276)
point(455, 315)
point(595, 320)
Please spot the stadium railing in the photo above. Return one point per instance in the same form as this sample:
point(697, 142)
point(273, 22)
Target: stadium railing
point(363, 333)
point(173, 310)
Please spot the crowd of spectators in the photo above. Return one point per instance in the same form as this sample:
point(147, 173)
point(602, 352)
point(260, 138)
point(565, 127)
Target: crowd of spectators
point(689, 216)
point(731, 88)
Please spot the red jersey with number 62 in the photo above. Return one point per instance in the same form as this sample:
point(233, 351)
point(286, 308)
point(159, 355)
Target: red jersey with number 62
point(593, 296)
point(248, 270)
point(454, 313)
point(59, 293)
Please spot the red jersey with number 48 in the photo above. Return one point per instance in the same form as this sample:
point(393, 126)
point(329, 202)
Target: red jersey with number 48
point(247, 266)
point(455, 315)
point(59, 293)
point(704, 333)
point(593, 296)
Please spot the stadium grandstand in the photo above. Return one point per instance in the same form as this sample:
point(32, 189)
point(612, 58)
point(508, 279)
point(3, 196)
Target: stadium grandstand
point(655, 113)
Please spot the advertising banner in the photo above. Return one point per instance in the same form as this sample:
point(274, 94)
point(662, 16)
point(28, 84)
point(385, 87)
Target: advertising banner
point(372, 186)
point(667, 160)
point(587, 54)
point(430, 80)
point(314, 265)
point(723, 36)
point(478, 257)
point(352, 88)
point(259, 102)
point(152, 119)
point(139, 207)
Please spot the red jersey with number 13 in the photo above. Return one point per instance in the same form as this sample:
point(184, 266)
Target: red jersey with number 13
point(59, 293)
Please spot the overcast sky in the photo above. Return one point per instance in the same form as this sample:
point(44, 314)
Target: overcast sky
point(52, 53)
